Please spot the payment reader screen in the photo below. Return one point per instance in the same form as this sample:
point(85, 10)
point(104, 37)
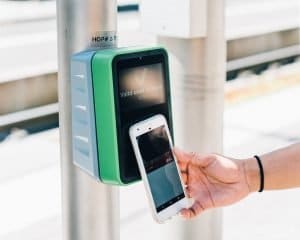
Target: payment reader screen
point(141, 87)
point(160, 167)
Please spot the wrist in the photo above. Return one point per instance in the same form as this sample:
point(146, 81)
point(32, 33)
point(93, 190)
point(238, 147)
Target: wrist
point(252, 174)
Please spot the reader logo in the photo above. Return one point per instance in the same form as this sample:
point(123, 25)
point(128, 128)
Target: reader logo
point(104, 39)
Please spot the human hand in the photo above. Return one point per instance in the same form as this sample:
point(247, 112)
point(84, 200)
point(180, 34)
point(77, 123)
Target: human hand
point(211, 180)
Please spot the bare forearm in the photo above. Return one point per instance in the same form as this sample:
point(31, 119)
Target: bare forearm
point(281, 169)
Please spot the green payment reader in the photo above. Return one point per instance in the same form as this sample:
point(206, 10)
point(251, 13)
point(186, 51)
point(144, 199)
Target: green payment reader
point(112, 89)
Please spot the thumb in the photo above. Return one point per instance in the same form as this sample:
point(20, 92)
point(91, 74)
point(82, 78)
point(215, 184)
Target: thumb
point(181, 156)
point(193, 158)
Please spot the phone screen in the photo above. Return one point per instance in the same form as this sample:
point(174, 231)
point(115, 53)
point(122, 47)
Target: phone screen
point(161, 169)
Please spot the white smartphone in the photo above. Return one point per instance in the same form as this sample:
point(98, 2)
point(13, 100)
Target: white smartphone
point(153, 149)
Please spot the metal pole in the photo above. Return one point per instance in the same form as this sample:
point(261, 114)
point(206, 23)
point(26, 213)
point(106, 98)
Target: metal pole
point(198, 76)
point(90, 209)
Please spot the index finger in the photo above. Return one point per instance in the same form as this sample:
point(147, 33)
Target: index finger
point(193, 211)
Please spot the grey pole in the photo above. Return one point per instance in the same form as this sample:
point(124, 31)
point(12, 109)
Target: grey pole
point(198, 76)
point(90, 209)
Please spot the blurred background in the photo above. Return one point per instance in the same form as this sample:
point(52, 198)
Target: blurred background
point(262, 113)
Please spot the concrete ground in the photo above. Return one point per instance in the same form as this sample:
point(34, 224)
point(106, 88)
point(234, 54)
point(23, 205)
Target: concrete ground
point(30, 179)
point(255, 127)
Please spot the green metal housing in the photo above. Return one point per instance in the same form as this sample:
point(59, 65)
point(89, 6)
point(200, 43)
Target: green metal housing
point(105, 113)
